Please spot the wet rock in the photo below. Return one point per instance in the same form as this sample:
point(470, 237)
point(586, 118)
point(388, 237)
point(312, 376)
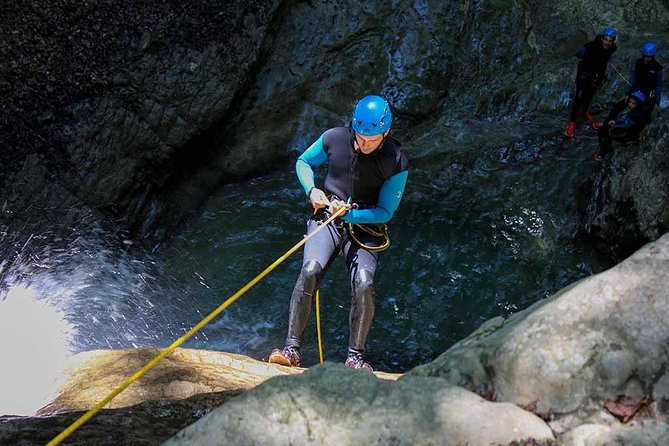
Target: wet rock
point(331, 404)
point(180, 389)
point(148, 423)
point(90, 376)
point(642, 433)
point(594, 340)
point(626, 204)
point(76, 83)
point(176, 392)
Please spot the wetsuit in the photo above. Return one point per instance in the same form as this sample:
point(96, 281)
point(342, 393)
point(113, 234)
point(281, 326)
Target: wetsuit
point(375, 183)
point(627, 127)
point(590, 74)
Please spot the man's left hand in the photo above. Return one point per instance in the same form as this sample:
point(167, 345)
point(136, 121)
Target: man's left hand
point(335, 205)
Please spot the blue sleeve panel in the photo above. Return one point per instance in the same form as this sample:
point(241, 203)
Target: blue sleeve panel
point(581, 52)
point(389, 198)
point(311, 159)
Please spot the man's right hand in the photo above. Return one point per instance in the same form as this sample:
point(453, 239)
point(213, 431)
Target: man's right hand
point(318, 198)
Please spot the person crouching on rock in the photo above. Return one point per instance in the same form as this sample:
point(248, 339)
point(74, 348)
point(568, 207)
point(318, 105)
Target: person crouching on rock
point(622, 125)
point(646, 77)
point(366, 168)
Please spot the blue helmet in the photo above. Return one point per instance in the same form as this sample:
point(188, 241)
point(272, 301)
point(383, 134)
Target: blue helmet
point(649, 49)
point(610, 32)
point(639, 96)
point(372, 116)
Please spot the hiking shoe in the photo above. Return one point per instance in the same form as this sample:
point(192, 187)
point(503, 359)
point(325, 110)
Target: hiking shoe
point(570, 130)
point(597, 125)
point(587, 116)
point(597, 156)
point(356, 362)
point(288, 356)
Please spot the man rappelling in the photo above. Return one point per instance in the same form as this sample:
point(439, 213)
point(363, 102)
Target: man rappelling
point(366, 171)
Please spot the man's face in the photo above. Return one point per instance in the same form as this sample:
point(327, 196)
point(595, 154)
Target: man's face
point(607, 41)
point(632, 103)
point(368, 144)
point(647, 59)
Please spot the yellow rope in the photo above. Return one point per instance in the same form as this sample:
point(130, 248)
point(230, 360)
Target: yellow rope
point(88, 415)
point(318, 325)
point(622, 76)
point(382, 234)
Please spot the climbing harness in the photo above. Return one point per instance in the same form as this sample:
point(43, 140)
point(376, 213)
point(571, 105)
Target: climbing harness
point(88, 415)
point(381, 233)
point(318, 326)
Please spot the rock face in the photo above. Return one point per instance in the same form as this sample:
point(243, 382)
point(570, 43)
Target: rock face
point(148, 423)
point(91, 376)
point(176, 392)
point(626, 204)
point(103, 103)
point(139, 112)
point(179, 390)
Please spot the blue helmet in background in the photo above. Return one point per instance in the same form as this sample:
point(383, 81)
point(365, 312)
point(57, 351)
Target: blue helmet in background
point(649, 49)
point(639, 96)
point(372, 116)
point(610, 32)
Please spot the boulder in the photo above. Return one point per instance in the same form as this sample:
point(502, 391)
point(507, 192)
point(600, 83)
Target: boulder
point(179, 390)
point(642, 433)
point(565, 356)
point(90, 376)
point(333, 405)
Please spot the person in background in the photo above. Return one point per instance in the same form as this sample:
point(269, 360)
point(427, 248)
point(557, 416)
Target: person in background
point(367, 170)
point(622, 125)
point(646, 77)
point(593, 58)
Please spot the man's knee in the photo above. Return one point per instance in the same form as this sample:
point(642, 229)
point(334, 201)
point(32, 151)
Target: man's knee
point(312, 271)
point(364, 280)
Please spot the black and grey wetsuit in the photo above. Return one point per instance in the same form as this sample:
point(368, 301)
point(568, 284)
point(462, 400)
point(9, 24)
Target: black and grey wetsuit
point(593, 60)
point(375, 182)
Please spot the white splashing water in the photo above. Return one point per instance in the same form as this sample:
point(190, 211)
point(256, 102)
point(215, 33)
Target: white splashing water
point(35, 343)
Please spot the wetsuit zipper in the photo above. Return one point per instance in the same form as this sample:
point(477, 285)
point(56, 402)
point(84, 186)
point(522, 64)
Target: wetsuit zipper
point(351, 182)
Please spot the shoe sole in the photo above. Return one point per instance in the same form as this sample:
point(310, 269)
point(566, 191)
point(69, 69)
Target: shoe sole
point(279, 359)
